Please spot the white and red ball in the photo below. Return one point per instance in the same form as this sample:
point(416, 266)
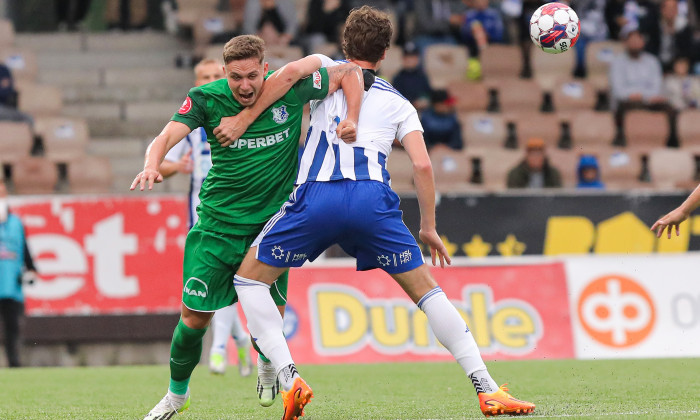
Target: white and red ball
point(555, 28)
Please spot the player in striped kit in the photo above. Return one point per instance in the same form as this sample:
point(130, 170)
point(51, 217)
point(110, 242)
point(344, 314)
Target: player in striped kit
point(343, 196)
point(193, 156)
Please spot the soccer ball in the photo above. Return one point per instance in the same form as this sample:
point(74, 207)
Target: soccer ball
point(555, 28)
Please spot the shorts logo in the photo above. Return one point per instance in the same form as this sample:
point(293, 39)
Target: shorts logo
point(186, 106)
point(405, 256)
point(196, 287)
point(317, 79)
point(384, 260)
point(616, 311)
point(277, 252)
point(280, 114)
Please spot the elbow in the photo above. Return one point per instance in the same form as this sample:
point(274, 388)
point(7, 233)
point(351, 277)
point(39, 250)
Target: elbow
point(422, 167)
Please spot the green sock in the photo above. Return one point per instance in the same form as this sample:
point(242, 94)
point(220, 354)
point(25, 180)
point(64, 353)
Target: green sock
point(262, 356)
point(185, 352)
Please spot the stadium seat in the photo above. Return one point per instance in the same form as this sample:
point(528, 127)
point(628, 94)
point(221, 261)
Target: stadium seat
point(566, 161)
point(214, 51)
point(549, 68)
point(209, 24)
point(400, 170)
point(21, 62)
point(646, 129)
point(90, 174)
point(670, 168)
point(620, 168)
point(189, 11)
point(591, 129)
point(445, 63)
point(470, 96)
point(278, 55)
point(599, 55)
point(501, 61)
point(40, 100)
point(16, 141)
point(391, 65)
point(34, 175)
point(482, 130)
point(515, 95)
point(689, 128)
point(536, 125)
point(451, 168)
point(64, 139)
point(574, 95)
point(7, 33)
point(495, 165)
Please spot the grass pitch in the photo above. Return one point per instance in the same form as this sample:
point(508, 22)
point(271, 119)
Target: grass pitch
point(629, 389)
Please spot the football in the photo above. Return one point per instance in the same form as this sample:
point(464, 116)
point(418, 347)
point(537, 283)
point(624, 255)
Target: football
point(555, 28)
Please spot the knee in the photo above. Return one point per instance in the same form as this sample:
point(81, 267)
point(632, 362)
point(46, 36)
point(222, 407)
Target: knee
point(196, 320)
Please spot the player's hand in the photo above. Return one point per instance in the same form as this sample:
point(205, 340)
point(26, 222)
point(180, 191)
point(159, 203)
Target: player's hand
point(347, 131)
point(674, 218)
point(186, 166)
point(146, 177)
point(231, 129)
point(431, 238)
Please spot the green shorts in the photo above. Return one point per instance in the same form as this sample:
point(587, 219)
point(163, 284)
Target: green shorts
point(211, 260)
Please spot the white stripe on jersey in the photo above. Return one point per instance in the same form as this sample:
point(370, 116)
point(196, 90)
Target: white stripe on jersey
point(385, 115)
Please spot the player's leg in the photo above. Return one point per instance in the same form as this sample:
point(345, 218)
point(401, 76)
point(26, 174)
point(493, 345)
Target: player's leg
point(453, 333)
point(227, 322)
point(206, 288)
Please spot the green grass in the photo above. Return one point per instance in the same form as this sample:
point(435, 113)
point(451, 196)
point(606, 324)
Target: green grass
point(652, 389)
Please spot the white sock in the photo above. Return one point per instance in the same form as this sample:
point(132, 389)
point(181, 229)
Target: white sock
point(451, 330)
point(266, 326)
point(222, 321)
point(239, 334)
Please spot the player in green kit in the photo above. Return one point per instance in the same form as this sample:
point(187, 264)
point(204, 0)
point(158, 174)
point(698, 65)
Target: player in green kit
point(250, 179)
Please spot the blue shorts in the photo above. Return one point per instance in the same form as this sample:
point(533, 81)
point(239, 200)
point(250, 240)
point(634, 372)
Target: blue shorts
point(363, 217)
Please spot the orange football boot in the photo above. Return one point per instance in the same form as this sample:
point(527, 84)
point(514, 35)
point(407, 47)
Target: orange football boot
point(501, 402)
point(295, 399)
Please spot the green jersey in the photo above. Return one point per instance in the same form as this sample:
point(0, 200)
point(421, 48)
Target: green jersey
point(250, 179)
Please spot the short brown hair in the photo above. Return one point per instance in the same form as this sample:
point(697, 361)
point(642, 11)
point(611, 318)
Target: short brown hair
point(243, 47)
point(367, 34)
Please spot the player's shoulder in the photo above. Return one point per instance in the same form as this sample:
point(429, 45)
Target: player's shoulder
point(217, 87)
point(386, 89)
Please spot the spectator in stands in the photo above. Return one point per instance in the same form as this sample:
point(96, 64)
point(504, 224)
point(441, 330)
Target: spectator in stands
point(636, 82)
point(411, 80)
point(528, 8)
point(682, 90)
point(275, 21)
point(481, 25)
point(589, 173)
point(126, 14)
point(14, 259)
point(534, 171)
point(70, 13)
point(8, 99)
point(674, 37)
point(591, 14)
point(644, 14)
point(440, 125)
point(437, 22)
point(324, 18)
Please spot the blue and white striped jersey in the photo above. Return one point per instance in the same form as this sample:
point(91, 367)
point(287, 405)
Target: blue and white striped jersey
point(385, 115)
point(195, 143)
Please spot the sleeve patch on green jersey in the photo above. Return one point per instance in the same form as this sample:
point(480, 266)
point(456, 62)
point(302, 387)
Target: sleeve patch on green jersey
point(317, 80)
point(186, 106)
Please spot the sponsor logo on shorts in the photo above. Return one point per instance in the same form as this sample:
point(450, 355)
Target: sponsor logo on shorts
point(317, 79)
point(196, 287)
point(405, 257)
point(277, 252)
point(259, 142)
point(299, 257)
point(280, 114)
point(384, 260)
point(186, 106)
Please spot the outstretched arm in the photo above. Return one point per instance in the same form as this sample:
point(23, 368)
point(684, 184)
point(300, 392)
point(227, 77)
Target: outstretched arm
point(275, 87)
point(677, 216)
point(348, 76)
point(425, 190)
point(173, 133)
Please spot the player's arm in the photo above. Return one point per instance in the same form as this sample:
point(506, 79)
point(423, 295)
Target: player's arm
point(173, 133)
point(677, 216)
point(348, 76)
point(178, 159)
point(274, 88)
point(425, 190)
